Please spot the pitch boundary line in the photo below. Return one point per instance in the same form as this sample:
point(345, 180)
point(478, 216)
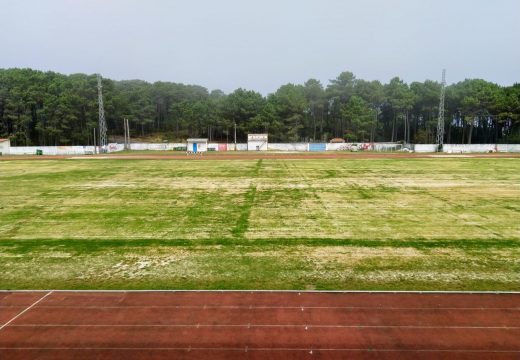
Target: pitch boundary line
point(25, 310)
point(272, 291)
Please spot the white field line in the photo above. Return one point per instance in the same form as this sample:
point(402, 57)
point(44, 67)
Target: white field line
point(25, 310)
point(260, 307)
point(306, 327)
point(247, 348)
point(252, 291)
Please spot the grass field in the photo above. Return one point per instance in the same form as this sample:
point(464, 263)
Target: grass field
point(399, 224)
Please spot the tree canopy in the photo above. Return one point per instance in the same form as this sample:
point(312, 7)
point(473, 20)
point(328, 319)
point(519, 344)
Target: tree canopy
point(48, 108)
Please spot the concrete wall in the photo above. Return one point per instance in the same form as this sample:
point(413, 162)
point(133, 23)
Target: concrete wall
point(423, 148)
point(508, 147)
point(254, 145)
point(468, 148)
point(287, 146)
point(447, 148)
point(52, 150)
point(155, 146)
point(61, 150)
point(4, 147)
point(317, 147)
point(239, 147)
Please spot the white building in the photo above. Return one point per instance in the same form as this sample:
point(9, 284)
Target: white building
point(5, 146)
point(195, 146)
point(257, 142)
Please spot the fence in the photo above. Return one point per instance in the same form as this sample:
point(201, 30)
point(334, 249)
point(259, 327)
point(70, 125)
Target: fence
point(421, 148)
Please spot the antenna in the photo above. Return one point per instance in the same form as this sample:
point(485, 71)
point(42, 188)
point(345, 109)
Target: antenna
point(440, 122)
point(102, 121)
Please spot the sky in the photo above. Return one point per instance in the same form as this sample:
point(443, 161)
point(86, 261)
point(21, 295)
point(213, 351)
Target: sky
point(263, 44)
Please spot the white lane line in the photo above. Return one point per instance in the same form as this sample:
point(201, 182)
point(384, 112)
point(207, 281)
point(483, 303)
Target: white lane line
point(241, 349)
point(274, 326)
point(25, 310)
point(261, 307)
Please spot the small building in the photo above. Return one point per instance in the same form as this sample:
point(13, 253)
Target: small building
point(257, 142)
point(5, 146)
point(195, 146)
point(337, 141)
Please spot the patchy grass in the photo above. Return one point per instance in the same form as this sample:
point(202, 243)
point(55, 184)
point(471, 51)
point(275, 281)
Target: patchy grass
point(424, 224)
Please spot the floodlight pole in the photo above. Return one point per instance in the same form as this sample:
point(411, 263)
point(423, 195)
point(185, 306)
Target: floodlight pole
point(102, 121)
point(440, 121)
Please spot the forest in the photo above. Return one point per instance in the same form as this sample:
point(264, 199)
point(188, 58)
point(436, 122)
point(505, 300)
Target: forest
point(48, 108)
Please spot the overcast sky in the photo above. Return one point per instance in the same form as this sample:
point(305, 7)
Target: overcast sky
point(262, 44)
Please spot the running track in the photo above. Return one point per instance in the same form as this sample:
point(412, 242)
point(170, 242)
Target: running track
point(258, 325)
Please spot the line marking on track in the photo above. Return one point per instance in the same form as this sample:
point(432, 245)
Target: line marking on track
point(306, 327)
point(25, 310)
point(241, 349)
point(261, 307)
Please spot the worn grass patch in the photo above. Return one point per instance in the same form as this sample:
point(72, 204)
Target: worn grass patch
point(425, 224)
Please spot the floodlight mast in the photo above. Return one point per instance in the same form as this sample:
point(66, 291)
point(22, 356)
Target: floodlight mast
point(440, 122)
point(102, 121)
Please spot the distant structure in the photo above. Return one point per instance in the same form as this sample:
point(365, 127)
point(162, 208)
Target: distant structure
point(440, 122)
point(102, 121)
point(5, 146)
point(196, 146)
point(257, 142)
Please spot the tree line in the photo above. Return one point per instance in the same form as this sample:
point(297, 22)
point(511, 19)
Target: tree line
point(48, 108)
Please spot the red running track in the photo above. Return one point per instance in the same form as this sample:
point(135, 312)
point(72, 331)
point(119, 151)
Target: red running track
point(258, 325)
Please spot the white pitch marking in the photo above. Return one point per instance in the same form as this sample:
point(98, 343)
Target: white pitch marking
point(262, 307)
point(276, 291)
point(24, 311)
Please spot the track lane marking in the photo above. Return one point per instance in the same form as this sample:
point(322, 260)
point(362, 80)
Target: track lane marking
point(241, 349)
point(205, 307)
point(271, 326)
point(24, 311)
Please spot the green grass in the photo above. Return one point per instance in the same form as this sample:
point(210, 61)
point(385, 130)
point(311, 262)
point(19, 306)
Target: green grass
point(398, 224)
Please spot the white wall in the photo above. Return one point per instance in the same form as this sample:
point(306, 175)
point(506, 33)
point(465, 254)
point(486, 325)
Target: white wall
point(468, 148)
point(423, 148)
point(61, 150)
point(156, 146)
point(240, 147)
point(508, 147)
point(82, 150)
point(287, 146)
point(252, 145)
point(4, 147)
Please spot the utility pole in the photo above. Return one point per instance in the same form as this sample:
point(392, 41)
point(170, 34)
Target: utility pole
point(102, 121)
point(235, 136)
point(440, 122)
point(124, 131)
point(128, 132)
point(94, 140)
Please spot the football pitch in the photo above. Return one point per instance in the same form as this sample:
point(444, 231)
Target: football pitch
point(342, 224)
